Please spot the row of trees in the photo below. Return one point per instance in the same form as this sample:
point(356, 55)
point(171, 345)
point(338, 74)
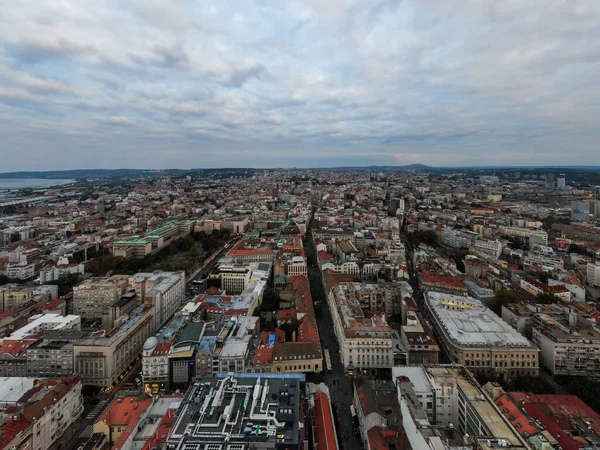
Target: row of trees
point(504, 297)
point(184, 253)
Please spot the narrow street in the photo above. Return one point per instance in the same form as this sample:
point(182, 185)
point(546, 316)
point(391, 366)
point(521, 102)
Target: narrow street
point(340, 386)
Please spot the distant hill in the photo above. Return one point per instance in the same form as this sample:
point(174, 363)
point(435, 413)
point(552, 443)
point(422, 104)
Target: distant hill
point(80, 174)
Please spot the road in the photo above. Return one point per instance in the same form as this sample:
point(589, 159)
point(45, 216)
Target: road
point(340, 386)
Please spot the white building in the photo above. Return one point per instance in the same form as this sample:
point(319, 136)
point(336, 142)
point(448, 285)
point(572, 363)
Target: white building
point(164, 290)
point(43, 323)
point(593, 274)
point(364, 342)
point(53, 273)
point(490, 247)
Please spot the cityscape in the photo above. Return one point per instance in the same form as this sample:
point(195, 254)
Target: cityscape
point(403, 308)
point(300, 225)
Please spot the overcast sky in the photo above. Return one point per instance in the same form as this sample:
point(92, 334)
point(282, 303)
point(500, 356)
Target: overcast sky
point(315, 83)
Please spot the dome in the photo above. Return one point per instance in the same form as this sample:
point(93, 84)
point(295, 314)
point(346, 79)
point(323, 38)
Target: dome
point(150, 343)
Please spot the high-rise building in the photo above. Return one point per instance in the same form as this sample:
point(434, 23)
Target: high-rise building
point(561, 182)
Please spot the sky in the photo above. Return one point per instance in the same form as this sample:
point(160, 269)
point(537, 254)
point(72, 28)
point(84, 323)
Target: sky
point(313, 83)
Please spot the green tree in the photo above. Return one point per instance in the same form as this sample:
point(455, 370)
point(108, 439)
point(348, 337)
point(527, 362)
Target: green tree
point(501, 298)
point(547, 298)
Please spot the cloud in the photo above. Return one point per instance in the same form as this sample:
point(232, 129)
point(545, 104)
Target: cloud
point(118, 120)
point(306, 82)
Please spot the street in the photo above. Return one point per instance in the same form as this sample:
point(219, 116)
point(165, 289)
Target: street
point(340, 386)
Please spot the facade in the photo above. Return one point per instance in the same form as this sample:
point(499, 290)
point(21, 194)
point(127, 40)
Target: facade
point(94, 295)
point(100, 359)
point(365, 342)
point(164, 290)
point(268, 406)
point(153, 241)
point(43, 416)
point(52, 355)
point(474, 336)
point(567, 347)
point(593, 274)
point(234, 280)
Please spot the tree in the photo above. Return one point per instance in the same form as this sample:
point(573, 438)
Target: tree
point(547, 298)
point(4, 280)
point(574, 248)
point(503, 297)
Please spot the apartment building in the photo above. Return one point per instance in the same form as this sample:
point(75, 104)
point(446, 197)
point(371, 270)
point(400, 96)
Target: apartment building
point(443, 407)
point(52, 355)
point(94, 295)
point(474, 336)
point(593, 274)
point(103, 357)
point(568, 345)
point(43, 417)
point(164, 290)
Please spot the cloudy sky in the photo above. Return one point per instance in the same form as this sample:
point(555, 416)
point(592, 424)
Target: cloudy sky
point(313, 83)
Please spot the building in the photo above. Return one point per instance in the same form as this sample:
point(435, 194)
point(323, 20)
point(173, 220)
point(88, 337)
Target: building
point(13, 357)
point(443, 408)
point(51, 356)
point(234, 280)
point(323, 425)
point(94, 295)
point(43, 417)
point(365, 340)
point(164, 290)
point(245, 252)
point(240, 411)
point(43, 323)
point(474, 336)
point(122, 416)
point(153, 241)
point(103, 357)
point(564, 420)
point(569, 345)
point(593, 274)
point(420, 346)
point(378, 412)
point(531, 235)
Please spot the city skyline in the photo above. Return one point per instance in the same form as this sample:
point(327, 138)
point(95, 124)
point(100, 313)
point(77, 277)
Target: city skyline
point(305, 84)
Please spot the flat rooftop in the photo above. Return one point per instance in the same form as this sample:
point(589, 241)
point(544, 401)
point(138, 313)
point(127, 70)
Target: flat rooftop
point(240, 409)
point(466, 322)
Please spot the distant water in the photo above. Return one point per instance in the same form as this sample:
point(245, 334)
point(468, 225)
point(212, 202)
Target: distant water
point(21, 183)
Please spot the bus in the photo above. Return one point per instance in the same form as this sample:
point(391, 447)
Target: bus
point(327, 361)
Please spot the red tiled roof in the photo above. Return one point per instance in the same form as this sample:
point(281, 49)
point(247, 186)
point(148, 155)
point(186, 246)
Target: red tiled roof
point(162, 349)
point(325, 437)
point(11, 429)
point(324, 256)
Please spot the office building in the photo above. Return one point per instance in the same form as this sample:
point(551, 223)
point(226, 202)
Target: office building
point(474, 336)
point(104, 356)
